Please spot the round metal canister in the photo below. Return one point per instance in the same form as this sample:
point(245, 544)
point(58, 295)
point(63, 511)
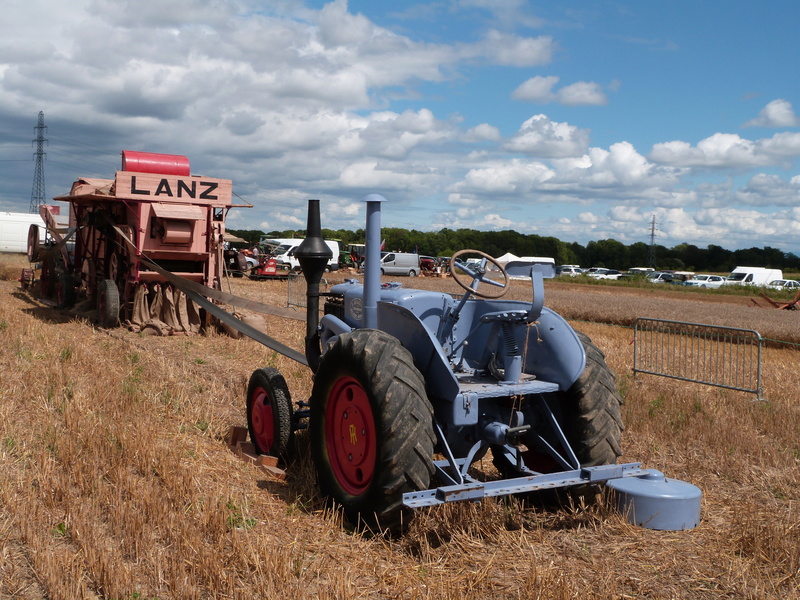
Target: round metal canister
point(153, 162)
point(656, 502)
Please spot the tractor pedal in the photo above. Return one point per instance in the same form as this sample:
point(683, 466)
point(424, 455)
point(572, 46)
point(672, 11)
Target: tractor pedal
point(514, 434)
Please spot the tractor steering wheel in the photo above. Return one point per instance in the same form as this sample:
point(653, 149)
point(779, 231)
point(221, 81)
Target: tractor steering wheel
point(471, 274)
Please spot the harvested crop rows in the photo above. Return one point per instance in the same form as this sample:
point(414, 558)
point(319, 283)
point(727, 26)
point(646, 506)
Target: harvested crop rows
point(117, 482)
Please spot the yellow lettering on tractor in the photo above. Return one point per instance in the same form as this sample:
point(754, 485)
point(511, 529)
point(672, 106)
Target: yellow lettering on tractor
point(353, 436)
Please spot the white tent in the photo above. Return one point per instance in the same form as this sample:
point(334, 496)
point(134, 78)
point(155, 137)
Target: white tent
point(533, 259)
point(507, 257)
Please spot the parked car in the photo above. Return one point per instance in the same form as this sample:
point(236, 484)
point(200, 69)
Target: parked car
point(636, 273)
point(706, 281)
point(659, 277)
point(605, 274)
point(784, 284)
point(570, 270)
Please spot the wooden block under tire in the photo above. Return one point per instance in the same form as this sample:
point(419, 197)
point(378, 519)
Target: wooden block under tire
point(274, 472)
point(236, 435)
point(237, 442)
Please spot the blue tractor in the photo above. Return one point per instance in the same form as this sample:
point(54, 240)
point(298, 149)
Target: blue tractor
point(412, 387)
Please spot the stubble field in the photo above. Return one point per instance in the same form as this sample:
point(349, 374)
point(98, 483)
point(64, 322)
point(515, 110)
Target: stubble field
point(117, 482)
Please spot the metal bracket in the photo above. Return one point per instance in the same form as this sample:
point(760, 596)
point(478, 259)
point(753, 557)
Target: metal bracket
point(476, 490)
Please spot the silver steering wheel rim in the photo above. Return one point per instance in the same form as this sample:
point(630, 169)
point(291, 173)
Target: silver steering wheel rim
point(477, 275)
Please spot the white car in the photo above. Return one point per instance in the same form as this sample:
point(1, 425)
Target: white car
point(706, 281)
point(570, 270)
point(604, 274)
point(659, 277)
point(784, 284)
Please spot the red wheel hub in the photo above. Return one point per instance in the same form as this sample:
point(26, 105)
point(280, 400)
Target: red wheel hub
point(262, 419)
point(350, 436)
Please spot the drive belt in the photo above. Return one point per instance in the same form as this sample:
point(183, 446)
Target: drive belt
point(200, 294)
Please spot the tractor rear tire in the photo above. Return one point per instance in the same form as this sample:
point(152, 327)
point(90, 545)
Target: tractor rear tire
point(595, 407)
point(108, 303)
point(269, 412)
point(371, 429)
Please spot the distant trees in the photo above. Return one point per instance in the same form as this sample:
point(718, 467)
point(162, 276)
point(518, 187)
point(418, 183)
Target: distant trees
point(608, 253)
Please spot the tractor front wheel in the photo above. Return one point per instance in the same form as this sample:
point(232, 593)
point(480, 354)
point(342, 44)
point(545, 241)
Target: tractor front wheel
point(371, 428)
point(269, 409)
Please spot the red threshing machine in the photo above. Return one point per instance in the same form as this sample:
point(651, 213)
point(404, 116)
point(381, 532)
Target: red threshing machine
point(153, 208)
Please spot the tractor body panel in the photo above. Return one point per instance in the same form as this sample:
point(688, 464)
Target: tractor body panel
point(549, 347)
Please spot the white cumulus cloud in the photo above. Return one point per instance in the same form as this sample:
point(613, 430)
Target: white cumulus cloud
point(778, 113)
point(541, 89)
point(542, 137)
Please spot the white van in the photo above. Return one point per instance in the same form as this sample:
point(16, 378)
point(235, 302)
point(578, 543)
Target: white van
point(756, 276)
point(14, 230)
point(400, 263)
point(285, 258)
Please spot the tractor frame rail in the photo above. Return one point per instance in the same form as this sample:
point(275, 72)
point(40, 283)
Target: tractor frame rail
point(472, 489)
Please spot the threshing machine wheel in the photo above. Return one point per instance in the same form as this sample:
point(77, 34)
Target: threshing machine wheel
point(371, 428)
point(468, 276)
point(108, 303)
point(269, 410)
point(34, 249)
point(66, 291)
point(114, 266)
point(48, 278)
point(590, 415)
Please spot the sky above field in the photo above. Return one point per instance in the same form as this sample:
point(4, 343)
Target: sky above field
point(573, 119)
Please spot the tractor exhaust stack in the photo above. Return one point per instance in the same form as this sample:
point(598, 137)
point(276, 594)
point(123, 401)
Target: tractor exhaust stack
point(372, 260)
point(313, 255)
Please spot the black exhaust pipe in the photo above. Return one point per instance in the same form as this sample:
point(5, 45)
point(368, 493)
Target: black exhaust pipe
point(313, 254)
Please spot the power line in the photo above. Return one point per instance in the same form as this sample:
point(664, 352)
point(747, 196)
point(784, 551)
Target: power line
point(651, 253)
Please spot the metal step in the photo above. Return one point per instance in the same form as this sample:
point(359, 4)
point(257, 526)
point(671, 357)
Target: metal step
point(489, 387)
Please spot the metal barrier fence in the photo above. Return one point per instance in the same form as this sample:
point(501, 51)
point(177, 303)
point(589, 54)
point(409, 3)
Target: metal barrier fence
point(720, 356)
point(296, 289)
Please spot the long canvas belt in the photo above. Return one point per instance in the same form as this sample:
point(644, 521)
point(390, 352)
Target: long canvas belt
point(200, 295)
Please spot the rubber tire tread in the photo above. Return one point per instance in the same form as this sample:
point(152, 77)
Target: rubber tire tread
point(65, 291)
point(108, 303)
point(596, 426)
point(403, 422)
point(273, 382)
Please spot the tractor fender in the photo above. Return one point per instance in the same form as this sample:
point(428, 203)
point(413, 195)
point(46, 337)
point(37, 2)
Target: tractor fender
point(330, 328)
point(554, 351)
point(429, 358)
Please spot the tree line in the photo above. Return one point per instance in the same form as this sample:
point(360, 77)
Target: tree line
point(603, 253)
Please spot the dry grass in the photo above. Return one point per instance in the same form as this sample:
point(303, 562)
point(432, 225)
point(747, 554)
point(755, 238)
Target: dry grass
point(116, 482)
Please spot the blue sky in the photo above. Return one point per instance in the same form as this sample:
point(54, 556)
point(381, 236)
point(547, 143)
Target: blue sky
point(580, 120)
